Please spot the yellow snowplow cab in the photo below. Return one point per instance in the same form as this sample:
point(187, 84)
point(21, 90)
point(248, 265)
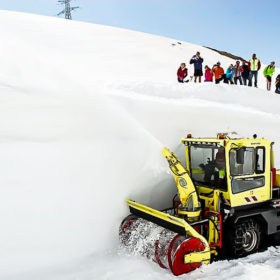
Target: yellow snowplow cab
point(245, 164)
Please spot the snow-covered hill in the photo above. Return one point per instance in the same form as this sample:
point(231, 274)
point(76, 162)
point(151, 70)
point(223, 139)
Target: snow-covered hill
point(84, 112)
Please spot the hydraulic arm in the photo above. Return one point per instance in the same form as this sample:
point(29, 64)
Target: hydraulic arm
point(190, 205)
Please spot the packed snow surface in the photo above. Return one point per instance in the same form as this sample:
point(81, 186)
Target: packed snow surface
point(84, 113)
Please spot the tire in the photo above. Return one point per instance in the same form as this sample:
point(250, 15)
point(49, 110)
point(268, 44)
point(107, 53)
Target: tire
point(243, 238)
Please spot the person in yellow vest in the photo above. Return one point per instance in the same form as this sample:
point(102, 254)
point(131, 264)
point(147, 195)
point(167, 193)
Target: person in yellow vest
point(268, 72)
point(254, 66)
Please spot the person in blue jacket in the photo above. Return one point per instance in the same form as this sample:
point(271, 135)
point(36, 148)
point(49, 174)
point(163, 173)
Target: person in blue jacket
point(230, 74)
point(197, 61)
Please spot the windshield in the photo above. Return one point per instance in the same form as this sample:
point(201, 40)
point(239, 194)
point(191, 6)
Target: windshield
point(208, 165)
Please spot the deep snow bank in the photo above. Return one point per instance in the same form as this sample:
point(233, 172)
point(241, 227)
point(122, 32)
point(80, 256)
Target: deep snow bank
point(68, 170)
point(85, 111)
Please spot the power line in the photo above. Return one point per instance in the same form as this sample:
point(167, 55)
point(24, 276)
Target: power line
point(68, 9)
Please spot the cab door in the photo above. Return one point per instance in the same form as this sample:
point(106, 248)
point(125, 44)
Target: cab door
point(249, 175)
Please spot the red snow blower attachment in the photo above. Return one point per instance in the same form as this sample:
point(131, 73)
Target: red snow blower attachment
point(169, 250)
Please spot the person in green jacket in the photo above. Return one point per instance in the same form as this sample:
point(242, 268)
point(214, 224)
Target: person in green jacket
point(268, 72)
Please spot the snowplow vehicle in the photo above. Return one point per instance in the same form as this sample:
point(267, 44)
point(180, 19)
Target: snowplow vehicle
point(227, 202)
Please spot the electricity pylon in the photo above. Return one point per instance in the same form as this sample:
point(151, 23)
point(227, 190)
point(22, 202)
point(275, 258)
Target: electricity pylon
point(68, 9)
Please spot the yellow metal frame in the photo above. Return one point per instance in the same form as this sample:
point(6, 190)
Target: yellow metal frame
point(186, 189)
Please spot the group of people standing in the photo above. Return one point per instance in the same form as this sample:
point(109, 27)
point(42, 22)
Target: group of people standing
point(244, 73)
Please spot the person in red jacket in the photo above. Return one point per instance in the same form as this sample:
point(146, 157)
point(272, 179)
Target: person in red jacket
point(254, 66)
point(182, 73)
point(208, 74)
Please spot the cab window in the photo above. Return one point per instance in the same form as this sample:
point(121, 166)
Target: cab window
point(246, 184)
point(245, 168)
point(260, 160)
point(208, 165)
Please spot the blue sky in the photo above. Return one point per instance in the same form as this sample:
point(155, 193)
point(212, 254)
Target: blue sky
point(240, 26)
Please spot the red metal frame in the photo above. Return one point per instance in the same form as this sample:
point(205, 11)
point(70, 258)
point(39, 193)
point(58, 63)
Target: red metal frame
point(273, 171)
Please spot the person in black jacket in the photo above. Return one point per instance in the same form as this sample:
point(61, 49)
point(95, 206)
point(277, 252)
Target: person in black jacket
point(277, 84)
point(245, 73)
point(197, 60)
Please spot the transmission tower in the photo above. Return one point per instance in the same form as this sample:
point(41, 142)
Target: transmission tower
point(68, 9)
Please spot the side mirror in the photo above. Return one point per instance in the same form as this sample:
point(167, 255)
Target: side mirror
point(240, 154)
